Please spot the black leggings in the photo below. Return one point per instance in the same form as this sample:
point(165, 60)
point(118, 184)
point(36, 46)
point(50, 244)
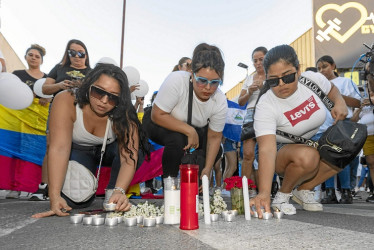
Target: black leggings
point(174, 143)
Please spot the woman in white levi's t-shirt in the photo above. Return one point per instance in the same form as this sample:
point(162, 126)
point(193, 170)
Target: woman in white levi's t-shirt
point(288, 105)
point(248, 95)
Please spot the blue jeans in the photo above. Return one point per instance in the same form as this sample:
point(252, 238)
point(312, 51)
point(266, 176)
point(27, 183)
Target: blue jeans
point(346, 176)
point(89, 156)
point(364, 172)
point(353, 173)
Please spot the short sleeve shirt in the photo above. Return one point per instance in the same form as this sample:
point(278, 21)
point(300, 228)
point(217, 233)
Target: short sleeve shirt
point(300, 114)
point(173, 98)
point(60, 73)
point(253, 98)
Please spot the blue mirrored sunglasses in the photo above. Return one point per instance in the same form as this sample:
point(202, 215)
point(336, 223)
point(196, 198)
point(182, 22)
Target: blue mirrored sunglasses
point(204, 81)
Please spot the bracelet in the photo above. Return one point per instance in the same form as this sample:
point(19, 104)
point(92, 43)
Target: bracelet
point(119, 189)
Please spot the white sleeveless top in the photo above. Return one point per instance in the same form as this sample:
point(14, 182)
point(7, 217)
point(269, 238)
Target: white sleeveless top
point(82, 137)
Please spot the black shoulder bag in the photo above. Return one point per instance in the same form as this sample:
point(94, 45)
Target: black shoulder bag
point(341, 142)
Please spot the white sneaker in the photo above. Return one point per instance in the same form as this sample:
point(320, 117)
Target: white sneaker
point(282, 203)
point(13, 194)
point(306, 199)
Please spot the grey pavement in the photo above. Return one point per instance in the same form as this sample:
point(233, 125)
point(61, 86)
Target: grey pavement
point(337, 227)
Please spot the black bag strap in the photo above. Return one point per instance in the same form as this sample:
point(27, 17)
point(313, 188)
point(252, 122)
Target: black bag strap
point(318, 91)
point(324, 98)
point(190, 95)
point(297, 139)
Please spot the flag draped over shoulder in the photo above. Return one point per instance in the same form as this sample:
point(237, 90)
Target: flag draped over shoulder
point(22, 146)
point(234, 120)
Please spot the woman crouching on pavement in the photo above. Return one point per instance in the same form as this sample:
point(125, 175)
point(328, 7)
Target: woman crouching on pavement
point(291, 107)
point(77, 128)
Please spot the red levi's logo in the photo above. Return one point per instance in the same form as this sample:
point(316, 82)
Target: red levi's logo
point(302, 112)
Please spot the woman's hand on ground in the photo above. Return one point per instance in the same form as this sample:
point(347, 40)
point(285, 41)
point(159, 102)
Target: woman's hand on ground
point(59, 207)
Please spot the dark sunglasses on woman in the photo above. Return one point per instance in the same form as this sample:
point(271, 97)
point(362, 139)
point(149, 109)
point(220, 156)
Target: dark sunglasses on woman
point(73, 53)
point(99, 93)
point(287, 79)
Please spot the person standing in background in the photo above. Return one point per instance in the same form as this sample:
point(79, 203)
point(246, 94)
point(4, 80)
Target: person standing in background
point(34, 58)
point(350, 93)
point(248, 95)
point(75, 65)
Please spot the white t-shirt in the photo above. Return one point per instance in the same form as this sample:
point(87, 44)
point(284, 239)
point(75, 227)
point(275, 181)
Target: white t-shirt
point(253, 98)
point(346, 87)
point(367, 118)
point(172, 98)
point(84, 138)
point(300, 114)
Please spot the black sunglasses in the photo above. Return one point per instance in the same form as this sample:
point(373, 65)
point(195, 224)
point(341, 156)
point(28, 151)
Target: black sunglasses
point(99, 93)
point(73, 53)
point(273, 82)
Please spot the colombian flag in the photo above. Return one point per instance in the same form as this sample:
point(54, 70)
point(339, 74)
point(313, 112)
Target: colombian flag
point(22, 146)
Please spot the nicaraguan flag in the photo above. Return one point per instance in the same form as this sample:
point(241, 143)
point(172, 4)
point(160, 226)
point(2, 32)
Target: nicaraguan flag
point(234, 120)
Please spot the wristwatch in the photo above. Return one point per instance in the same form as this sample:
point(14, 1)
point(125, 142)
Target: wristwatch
point(119, 189)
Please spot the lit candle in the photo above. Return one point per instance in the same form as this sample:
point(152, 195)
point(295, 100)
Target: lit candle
point(206, 199)
point(246, 198)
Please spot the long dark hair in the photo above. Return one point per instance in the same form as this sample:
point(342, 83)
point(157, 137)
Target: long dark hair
point(208, 56)
point(66, 59)
point(328, 59)
point(124, 114)
point(284, 53)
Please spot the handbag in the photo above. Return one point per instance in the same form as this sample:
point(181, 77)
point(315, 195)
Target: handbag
point(341, 142)
point(248, 132)
point(80, 184)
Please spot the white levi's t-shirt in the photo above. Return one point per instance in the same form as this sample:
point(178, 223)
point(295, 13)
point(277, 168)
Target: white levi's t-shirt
point(300, 114)
point(172, 98)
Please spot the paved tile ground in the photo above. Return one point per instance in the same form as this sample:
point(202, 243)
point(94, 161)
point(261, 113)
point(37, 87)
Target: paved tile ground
point(337, 227)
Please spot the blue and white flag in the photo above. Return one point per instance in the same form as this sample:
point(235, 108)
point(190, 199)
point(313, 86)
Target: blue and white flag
point(234, 120)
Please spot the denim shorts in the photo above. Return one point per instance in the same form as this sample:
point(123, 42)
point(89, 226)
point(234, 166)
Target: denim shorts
point(229, 145)
point(279, 146)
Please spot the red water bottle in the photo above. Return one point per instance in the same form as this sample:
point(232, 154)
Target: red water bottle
point(189, 208)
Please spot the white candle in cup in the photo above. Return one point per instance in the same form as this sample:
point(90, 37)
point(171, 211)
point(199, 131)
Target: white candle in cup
point(229, 217)
point(149, 221)
point(246, 198)
point(205, 181)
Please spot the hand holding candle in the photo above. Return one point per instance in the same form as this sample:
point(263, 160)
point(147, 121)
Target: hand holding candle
point(205, 181)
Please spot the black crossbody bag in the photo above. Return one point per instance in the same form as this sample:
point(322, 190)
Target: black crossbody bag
point(341, 142)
